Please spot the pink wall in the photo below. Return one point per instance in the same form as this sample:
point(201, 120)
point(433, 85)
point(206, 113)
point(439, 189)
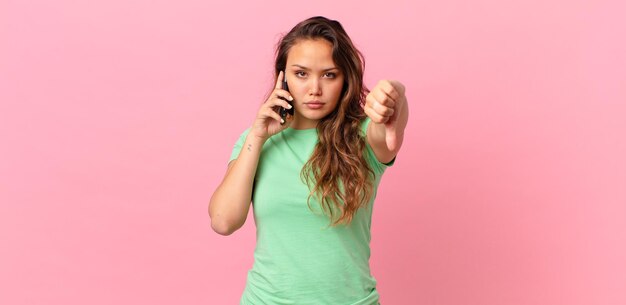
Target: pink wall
point(117, 119)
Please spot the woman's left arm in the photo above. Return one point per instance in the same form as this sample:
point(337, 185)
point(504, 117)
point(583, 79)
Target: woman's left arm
point(387, 107)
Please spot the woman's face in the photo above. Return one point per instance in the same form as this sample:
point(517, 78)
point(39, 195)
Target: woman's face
point(314, 81)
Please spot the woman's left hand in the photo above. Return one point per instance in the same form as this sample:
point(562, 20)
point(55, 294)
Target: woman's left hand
point(386, 104)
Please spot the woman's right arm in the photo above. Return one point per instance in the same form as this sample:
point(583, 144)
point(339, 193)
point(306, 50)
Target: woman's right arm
point(230, 202)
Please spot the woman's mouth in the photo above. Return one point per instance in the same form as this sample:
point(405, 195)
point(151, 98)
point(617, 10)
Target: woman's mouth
point(314, 104)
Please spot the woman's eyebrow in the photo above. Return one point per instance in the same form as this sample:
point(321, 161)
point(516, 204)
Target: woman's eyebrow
point(305, 68)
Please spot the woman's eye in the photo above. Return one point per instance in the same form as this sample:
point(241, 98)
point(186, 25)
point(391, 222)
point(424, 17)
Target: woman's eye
point(300, 74)
point(330, 75)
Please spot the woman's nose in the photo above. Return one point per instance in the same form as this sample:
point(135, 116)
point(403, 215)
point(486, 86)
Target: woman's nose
point(314, 88)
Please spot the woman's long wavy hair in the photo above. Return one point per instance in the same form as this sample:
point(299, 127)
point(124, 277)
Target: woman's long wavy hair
point(337, 173)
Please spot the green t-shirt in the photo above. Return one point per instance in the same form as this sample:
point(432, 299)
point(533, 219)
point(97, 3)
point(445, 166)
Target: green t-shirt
point(298, 258)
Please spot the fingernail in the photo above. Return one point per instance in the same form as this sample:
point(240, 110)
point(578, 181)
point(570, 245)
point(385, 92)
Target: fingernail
point(289, 106)
point(290, 98)
point(282, 121)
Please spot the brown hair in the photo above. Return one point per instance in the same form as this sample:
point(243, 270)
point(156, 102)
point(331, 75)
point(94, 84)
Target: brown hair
point(337, 173)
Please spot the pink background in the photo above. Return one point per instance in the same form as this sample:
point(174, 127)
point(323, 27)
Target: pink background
point(117, 119)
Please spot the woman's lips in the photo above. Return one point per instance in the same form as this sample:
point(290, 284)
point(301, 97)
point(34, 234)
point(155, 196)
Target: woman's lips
point(314, 105)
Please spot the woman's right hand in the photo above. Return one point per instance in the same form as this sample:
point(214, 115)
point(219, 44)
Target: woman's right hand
point(268, 121)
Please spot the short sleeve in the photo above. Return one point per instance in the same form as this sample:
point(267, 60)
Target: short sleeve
point(239, 145)
point(377, 166)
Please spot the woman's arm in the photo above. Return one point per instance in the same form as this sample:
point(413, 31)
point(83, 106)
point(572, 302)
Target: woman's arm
point(230, 202)
point(387, 107)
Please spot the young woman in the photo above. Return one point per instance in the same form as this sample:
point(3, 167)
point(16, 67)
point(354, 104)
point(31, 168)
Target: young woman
point(312, 177)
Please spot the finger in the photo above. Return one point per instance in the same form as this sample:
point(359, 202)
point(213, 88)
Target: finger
point(283, 104)
point(279, 80)
point(398, 86)
point(381, 109)
point(391, 138)
point(370, 100)
point(270, 113)
point(283, 94)
point(385, 99)
point(278, 101)
point(375, 117)
point(388, 88)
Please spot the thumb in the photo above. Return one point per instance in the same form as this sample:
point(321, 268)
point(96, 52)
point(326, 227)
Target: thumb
point(390, 137)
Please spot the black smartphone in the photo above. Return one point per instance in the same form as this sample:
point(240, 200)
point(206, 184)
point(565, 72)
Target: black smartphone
point(283, 112)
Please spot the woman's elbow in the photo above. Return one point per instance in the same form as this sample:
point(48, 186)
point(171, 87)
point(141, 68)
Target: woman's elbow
point(225, 221)
point(221, 228)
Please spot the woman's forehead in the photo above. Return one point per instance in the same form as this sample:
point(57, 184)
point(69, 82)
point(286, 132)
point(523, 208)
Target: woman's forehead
point(312, 54)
